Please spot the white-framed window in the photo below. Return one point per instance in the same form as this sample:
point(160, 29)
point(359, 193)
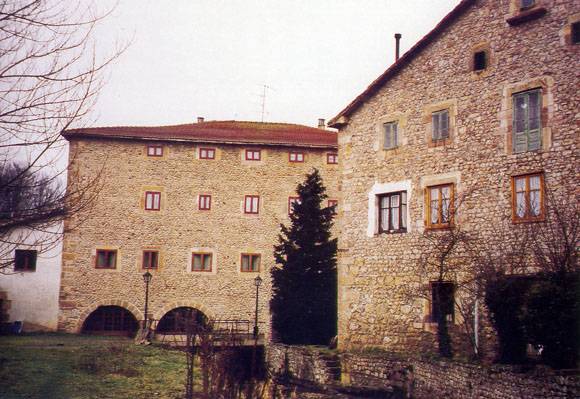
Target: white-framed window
point(393, 212)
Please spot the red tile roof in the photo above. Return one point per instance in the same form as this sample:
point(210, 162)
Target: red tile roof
point(234, 132)
point(405, 59)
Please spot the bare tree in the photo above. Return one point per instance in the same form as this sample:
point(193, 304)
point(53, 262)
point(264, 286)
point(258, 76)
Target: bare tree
point(50, 75)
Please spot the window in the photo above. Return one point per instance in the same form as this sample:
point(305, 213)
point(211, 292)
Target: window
point(152, 200)
point(527, 4)
point(442, 300)
point(253, 155)
point(204, 202)
point(201, 262)
point(154, 150)
point(150, 259)
point(106, 259)
point(291, 202)
point(332, 158)
point(575, 32)
point(440, 125)
point(333, 204)
point(528, 197)
point(207, 153)
point(252, 204)
point(527, 126)
point(393, 212)
point(391, 131)
point(25, 260)
point(439, 206)
point(296, 156)
point(479, 61)
point(250, 263)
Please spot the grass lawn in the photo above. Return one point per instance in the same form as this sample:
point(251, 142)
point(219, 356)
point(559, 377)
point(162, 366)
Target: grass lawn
point(63, 366)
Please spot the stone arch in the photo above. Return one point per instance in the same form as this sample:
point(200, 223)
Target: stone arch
point(183, 304)
point(108, 302)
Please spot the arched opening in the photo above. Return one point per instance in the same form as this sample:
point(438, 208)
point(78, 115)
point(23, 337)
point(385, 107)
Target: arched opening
point(110, 320)
point(176, 320)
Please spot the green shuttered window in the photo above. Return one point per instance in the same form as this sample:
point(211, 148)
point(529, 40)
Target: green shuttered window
point(527, 124)
point(440, 120)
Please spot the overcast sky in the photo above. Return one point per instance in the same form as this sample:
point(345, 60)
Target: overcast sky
point(211, 58)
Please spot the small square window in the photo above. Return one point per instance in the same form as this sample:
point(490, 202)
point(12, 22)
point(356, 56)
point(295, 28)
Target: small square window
point(291, 202)
point(440, 125)
point(152, 201)
point(332, 158)
point(440, 206)
point(296, 156)
point(442, 300)
point(528, 197)
point(207, 153)
point(479, 61)
point(391, 133)
point(575, 28)
point(25, 260)
point(250, 263)
point(150, 260)
point(253, 155)
point(252, 204)
point(154, 150)
point(527, 4)
point(106, 259)
point(204, 202)
point(201, 262)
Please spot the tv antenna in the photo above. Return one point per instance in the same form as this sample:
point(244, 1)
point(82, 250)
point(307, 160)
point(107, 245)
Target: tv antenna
point(263, 97)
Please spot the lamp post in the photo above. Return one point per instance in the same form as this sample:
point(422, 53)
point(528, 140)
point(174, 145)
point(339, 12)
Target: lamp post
point(257, 283)
point(147, 278)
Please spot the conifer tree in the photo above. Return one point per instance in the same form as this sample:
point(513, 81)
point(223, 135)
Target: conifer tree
point(303, 303)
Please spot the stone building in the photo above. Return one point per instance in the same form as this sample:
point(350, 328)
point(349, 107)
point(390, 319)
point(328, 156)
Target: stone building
point(198, 206)
point(483, 108)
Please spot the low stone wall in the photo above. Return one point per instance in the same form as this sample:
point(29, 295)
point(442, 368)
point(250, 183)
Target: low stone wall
point(421, 378)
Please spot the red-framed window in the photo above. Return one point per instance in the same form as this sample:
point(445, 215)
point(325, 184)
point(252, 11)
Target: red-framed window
point(332, 158)
point(154, 150)
point(253, 155)
point(201, 262)
point(150, 260)
point(528, 197)
point(250, 262)
point(207, 153)
point(106, 259)
point(291, 202)
point(25, 260)
point(252, 204)
point(152, 200)
point(295, 156)
point(204, 202)
point(440, 206)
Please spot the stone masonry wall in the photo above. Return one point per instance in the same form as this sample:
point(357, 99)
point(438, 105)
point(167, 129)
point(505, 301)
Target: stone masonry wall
point(119, 221)
point(377, 270)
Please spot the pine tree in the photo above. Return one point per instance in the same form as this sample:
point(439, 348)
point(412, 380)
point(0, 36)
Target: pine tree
point(303, 303)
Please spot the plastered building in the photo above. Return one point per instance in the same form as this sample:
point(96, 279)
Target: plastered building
point(485, 107)
point(198, 206)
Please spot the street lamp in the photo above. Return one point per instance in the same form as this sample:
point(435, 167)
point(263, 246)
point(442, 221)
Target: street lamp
point(147, 278)
point(257, 283)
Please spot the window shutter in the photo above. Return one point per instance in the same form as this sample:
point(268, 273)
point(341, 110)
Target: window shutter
point(534, 122)
point(435, 127)
point(444, 124)
point(520, 138)
point(387, 135)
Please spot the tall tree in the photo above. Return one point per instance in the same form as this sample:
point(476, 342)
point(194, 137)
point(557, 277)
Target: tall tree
point(303, 304)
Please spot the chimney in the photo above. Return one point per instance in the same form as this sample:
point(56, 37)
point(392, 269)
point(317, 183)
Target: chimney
point(321, 124)
point(397, 39)
point(200, 119)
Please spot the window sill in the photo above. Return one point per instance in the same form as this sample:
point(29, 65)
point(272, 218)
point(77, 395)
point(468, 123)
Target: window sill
point(526, 15)
point(439, 227)
point(440, 142)
point(390, 232)
point(528, 220)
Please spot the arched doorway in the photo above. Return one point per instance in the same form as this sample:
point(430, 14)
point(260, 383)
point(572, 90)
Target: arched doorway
point(176, 320)
point(110, 320)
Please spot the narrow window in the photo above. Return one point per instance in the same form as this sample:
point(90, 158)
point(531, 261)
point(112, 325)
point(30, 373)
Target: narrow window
point(393, 212)
point(291, 202)
point(442, 300)
point(391, 132)
point(439, 206)
point(253, 155)
point(204, 202)
point(250, 263)
point(154, 150)
point(333, 204)
point(106, 259)
point(25, 260)
point(527, 124)
point(296, 156)
point(207, 153)
point(332, 158)
point(479, 61)
point(527, 4)
point(150, 260)
point(252, 204)
point(575, 32)
point(201, 262)
point(440, 122)
point(528, 197)
point(152, 200)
